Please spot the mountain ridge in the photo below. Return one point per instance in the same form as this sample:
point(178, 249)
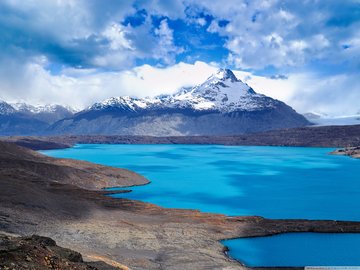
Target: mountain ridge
point(25, 119)
point(221, 92)
point(222, 105)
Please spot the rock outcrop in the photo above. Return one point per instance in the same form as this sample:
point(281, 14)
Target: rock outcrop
point(349, 151)
point(42, 253)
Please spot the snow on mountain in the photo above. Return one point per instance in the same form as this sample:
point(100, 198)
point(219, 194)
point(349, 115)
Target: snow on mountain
point(221, 92)
point(327, 120)
point(6, 109)
point(22, 118)
point(222, 105)
point(48, 108)
point(13, 122)
point(125, 103)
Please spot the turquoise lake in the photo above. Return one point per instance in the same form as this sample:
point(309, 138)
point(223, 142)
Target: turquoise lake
point(273, 182)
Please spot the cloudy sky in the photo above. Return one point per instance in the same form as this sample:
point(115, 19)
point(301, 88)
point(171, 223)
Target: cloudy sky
point(75, 52)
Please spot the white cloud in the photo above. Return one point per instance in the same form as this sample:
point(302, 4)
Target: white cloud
point(259, 33)
point(172, 9)
point(284, 33)
point(119, 52)
point(306, 92)
point(201, 21)
point(166, 49)
point(127, 43)
point(115, 33)
point(63, 20)
point(79, 88)
point(87, 33)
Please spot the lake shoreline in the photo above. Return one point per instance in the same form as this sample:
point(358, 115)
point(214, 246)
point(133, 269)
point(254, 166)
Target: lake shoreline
point(143, 235)
point(348, 151)
point(325, 136)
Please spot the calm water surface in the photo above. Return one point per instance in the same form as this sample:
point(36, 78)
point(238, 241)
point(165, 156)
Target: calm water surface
point(273, 182)
point(298, 249)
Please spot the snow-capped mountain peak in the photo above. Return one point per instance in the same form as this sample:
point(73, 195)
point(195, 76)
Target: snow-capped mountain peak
point(23, 107)
point(223, 74)
point(5, 108)
point(221, 92)
point(27, 108)
point(223, 87)
point(125, 102)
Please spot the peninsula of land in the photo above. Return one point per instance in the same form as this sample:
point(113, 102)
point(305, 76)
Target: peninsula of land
point(348, 151)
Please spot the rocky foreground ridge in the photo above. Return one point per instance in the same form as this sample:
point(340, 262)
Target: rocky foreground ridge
point(62, 199)
point(42, 253)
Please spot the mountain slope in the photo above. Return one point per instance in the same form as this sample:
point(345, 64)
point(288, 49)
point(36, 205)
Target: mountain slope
point(13, 122)
point(222, 105)
point(6, 109)
point(24, 119)
point(47, 113)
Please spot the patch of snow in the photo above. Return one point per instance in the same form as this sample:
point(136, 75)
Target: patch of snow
point(141, 104)
point(205, 105)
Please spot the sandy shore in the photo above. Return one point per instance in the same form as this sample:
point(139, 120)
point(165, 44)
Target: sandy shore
point(61, 199)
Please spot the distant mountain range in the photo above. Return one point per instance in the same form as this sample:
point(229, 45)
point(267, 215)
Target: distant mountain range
point(222, 105)
point(326, 120)
point(25, 119)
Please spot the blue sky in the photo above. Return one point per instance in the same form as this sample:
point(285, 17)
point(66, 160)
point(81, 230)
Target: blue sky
point(306, 53)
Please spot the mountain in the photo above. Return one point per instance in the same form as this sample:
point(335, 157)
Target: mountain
point(13, 122)
point(221, 92)
point(48, 113)
point(24, 119)
point(327, 120)
point(5, 108)
point(222, 105)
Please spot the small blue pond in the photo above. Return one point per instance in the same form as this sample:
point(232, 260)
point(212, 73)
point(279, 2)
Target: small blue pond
point(297, 249)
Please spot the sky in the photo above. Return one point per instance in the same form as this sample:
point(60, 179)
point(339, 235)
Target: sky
point(76, 52)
